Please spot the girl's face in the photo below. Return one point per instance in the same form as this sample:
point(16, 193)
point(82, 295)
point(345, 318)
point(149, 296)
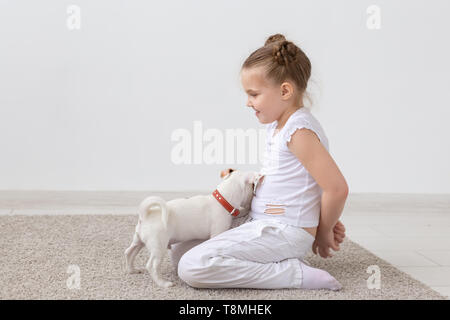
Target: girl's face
point(264, 98)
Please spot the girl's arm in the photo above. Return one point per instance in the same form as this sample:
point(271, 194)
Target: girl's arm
point(306, 146)
point(332, 205)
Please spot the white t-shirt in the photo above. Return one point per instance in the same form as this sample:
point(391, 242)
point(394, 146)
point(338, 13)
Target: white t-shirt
point(287, 184)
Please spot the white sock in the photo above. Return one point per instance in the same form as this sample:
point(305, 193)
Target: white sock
point(314, 278)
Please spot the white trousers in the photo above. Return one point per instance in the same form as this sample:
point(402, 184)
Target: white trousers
point(262, 254)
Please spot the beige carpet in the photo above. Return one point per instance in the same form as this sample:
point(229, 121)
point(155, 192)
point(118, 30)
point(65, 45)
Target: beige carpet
point(36, 251)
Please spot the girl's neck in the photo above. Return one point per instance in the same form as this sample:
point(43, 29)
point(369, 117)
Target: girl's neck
point(285, 116)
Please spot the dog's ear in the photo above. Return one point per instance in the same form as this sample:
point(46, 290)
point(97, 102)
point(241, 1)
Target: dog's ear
point(225, 173)
point(257, 180)
point(252, 177)
point(260, 178)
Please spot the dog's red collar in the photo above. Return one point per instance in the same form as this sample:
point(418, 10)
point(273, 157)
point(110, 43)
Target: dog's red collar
point(233, 211)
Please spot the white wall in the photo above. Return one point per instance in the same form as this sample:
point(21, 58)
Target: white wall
point(94, 108)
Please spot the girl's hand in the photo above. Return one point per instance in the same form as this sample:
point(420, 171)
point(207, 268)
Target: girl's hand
point(326, 239)
point(339, 232)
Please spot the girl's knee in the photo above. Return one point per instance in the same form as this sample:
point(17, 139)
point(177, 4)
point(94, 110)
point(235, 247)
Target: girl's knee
point(189, 271)
point(196, 271)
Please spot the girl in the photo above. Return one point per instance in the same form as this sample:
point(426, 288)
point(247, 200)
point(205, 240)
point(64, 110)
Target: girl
point(298, 201)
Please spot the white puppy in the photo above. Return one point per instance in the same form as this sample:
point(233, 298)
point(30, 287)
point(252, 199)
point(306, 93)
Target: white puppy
point(163, 223)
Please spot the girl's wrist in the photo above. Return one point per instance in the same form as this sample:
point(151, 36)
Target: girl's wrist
point(324, 227)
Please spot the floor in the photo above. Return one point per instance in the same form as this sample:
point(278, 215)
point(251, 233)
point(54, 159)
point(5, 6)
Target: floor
point(410, 231)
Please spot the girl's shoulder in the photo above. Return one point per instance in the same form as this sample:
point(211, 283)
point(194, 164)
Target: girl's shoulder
point(303, 118)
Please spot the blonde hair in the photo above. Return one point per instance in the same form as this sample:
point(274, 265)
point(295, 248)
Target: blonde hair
point(282, 60)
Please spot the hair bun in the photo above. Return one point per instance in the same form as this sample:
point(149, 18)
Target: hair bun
point(274, 38)
point(283, 51)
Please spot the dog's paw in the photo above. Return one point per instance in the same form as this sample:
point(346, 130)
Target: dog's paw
point(165, 284)
point(168, 284)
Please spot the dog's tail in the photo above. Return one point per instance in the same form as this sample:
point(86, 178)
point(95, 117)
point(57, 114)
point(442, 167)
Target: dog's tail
point(152, 201)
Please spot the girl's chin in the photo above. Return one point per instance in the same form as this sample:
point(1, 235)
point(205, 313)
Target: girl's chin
point(263, 121)
point(261, 118)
